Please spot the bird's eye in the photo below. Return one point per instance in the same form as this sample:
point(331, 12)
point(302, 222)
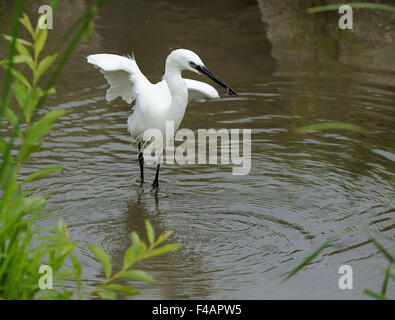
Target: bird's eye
point(192, 64)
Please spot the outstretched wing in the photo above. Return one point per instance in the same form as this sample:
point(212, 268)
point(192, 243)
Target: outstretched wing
point(197, 90)
point(122, 74)
point(200, 91)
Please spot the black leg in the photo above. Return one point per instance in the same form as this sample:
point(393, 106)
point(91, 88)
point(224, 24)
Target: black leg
point(141, 162)
point(156, 183)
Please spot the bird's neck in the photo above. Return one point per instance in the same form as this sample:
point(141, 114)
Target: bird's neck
point(178, 91)
point(174, 80)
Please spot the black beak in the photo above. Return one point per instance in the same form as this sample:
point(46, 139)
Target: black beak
point(212, 76)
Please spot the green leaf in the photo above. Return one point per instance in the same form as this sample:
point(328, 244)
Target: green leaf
point(385, 282)
point(41, 173)
point(375, 294)
point(138, 275)
point(31, 205)
point(43, 66)
point(18, 40)
point(162, 250)
point(24, 59)
point(102, 256)
point(11, 117)
point(65, 273)
point(76, 265)
point(40, 37)
point(20, 94)
point(45, 124)
point(41, 21)
point(35, 95)
point(150, 233)
point(27, 149)
point(130, 291)
point(77, 271)
point(7, 176)
point(63, 250)
point(19, 76)
point(5, 96)
point(163, 237)
point(24, 53)
point(135, 242)
point(128, 258)
point(311, 257)
point(50, 91)
point(26, 22)
point(133, 252)
point(62, 228)
point(390, 258)
point(107, 295)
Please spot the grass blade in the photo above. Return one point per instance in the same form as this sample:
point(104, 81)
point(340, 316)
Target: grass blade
point(5, 99)
point(375, 294)
point(86, 18)
point(390, 258)
point(385, 282)
point(310, 258)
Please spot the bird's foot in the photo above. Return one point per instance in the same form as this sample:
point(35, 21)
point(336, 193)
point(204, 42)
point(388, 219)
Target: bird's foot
point(155, 185)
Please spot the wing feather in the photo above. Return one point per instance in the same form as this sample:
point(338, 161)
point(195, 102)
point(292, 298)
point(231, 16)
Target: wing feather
point(200, 91)
point(122, 74)
point(197, 90)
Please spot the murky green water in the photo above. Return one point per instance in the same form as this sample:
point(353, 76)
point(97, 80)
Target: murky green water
point(240, 234)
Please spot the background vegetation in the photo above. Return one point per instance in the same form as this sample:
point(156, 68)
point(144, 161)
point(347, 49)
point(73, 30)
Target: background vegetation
point(387, 275)
point(25, 245)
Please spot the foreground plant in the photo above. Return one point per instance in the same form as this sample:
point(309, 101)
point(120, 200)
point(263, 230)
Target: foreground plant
point(388, 275)
point(108, 289)
point(24, 244)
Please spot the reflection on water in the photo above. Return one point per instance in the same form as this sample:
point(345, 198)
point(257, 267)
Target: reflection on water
point(240, 234)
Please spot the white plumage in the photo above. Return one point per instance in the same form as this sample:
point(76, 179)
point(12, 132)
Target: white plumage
point(156, 103)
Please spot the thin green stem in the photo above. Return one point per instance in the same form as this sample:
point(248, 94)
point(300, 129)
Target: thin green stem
point(88, 15)
point(6, 97)
point(114, 276)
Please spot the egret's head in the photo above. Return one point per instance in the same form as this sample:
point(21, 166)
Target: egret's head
point(183, 59)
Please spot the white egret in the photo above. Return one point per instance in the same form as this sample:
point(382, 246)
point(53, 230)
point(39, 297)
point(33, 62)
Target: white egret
point(155, 103)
